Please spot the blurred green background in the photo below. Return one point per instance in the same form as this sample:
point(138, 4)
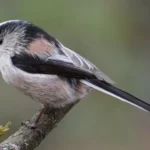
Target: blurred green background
point(113, 34)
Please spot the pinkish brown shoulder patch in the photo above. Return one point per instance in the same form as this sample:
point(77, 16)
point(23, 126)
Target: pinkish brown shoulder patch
point(41, 45)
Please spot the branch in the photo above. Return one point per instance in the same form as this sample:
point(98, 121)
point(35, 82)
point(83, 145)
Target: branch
point(28, 139)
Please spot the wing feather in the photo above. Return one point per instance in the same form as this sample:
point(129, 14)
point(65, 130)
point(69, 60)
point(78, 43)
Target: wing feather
point(83, 63)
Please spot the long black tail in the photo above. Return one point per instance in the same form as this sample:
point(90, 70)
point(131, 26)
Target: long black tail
point(117, 93)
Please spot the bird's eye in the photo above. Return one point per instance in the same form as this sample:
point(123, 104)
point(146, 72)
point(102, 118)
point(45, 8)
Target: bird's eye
point(1, 41)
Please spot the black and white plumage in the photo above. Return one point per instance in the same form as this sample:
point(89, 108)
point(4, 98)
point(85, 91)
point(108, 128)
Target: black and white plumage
point(43, 68)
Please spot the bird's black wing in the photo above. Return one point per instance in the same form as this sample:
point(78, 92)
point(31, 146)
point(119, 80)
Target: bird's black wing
point(35, 65)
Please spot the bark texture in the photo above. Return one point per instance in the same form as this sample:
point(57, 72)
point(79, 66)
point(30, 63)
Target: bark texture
point(28, 139)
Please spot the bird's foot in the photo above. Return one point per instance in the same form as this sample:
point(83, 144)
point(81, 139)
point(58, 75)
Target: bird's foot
point(29, 125)
point(33, 126)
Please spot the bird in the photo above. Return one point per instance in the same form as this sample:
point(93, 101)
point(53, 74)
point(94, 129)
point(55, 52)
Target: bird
point(43, 68)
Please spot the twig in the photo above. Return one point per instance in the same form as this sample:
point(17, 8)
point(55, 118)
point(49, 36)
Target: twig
point(28, 139)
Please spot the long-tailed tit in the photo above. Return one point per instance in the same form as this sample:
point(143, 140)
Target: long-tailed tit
point(43, 68)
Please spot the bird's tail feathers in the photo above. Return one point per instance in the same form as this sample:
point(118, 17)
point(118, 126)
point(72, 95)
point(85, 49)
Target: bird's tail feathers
point(117, 93)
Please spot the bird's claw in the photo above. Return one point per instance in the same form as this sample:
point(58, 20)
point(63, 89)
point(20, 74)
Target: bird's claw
point(29, 125)
point(33, 126)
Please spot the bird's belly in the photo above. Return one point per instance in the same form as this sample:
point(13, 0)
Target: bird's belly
point(45, 89)
point(52, 90)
